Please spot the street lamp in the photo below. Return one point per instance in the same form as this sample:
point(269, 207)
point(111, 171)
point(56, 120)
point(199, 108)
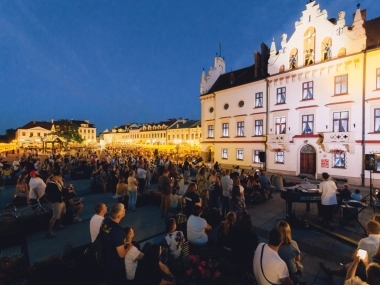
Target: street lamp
point(177, 142)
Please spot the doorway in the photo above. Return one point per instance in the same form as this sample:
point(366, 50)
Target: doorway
point(308, 161)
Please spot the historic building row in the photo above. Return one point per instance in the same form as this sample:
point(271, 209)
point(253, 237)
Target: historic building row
point(312, 105)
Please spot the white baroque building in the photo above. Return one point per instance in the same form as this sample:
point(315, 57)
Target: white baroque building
point(312, 105)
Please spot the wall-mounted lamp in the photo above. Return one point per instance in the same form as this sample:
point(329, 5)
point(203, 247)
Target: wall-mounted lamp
point(326, 127)
point(354, 125)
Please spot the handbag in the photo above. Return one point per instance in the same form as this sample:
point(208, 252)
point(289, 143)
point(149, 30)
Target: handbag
point(299, 268)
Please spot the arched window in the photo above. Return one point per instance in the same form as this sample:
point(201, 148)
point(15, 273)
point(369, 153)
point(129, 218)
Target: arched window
point(342, 52)
point(326, 49)
point(309, 46)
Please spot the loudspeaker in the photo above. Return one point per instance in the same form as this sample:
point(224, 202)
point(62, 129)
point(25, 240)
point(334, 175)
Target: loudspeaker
point(369, 162)
point(262, 156)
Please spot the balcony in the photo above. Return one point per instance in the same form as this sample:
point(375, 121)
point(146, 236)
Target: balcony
point(281, 138)
point(343, 137)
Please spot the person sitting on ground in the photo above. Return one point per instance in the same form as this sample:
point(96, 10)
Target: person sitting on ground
point(174, 239)
point(191, 198)
point(73, 205)
point(356, 196)
point(226, 231)
point(289, 251)
point(345, 193)
point(197, 227)
point(268, 267)
point(133, 255)
point(21, 196)
point(7, 172)
point(150, 269)
point(370, 244)
point(244, 243)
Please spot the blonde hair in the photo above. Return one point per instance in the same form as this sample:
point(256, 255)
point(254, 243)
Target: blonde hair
point(286, 232)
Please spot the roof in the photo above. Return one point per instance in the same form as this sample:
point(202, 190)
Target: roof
point(234, 78)
point(79, 122)
point(372, 28)
point(183, 124)
point(33, 124)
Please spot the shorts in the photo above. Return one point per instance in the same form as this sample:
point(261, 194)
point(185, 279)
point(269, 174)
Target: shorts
point(58, 209)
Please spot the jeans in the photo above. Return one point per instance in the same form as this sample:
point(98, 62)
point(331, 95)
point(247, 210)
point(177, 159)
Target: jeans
point(225, 205)
point(132, 199)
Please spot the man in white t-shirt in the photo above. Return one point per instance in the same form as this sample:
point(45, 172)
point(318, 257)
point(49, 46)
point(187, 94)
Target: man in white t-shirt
point(37, 186)
point(196, 228)
point(268, 267)
point(97, 219)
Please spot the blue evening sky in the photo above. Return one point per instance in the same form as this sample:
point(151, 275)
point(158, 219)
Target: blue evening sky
point(118, 61)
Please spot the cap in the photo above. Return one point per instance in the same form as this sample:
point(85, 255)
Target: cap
point(33, 172)
point(166, 171)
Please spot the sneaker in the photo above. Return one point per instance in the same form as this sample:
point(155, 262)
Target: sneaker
point(50, 235)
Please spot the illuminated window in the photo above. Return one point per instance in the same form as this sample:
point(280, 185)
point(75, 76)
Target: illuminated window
point(279, 156)
point(225, 127)
point(259, 100)
point(240, 129)
point(340, 122)
point(258, 127)
point(239, 154)
point(339, 159)
point(255, 156)
point(377, 120)
point(307, 90)
point(307, 124)
point(281, 95)
point(280, 125)
point(341, 84)
point(210, 131)
point(224, 153)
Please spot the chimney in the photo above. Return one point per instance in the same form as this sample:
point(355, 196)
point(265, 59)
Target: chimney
point(52, 121)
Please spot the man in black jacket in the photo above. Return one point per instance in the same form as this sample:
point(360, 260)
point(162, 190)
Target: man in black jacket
point(54, 192)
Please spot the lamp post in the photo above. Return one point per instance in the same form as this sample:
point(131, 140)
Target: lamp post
point(177, 142)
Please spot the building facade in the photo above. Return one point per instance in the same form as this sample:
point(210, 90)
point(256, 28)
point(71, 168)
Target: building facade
point(320, 102)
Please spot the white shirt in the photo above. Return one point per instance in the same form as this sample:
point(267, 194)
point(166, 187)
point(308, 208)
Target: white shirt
point(196, 230)
point(141, 173)
point(39, 184)
point(15, 165)
point(226, 185)
point(328, 190)
point(131, 262)
point(95, 223)
point(273, 266)
point(370, 244)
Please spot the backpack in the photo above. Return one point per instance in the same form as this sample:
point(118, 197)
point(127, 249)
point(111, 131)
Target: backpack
point(96, 249)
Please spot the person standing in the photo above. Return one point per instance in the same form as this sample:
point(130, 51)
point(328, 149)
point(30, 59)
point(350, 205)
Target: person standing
point(114, 246)
point(97, 219)
point(37, 187)
point(132, 190)
point(54, 190)
point(141, 175)
point(122, 192)
point(328, 189)
point(165, 187)
point(268, 267)
point(226, 182)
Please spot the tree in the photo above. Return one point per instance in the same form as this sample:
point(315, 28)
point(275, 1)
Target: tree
point(67, 130)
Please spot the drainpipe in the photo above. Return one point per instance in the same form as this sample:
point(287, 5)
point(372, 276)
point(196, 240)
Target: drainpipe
point(363, 116)
point(266, 122)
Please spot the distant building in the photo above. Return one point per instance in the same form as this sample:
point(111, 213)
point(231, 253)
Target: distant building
point(33, 132)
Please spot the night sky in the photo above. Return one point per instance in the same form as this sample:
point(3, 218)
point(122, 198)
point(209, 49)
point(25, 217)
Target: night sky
point(114, 62)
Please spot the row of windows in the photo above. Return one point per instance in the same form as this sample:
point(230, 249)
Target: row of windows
point(182, 136)
point(89, 137)
point(153, 136)
point(338, 159)
point(340, 124)
point(84, 131)
point(31, 134)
